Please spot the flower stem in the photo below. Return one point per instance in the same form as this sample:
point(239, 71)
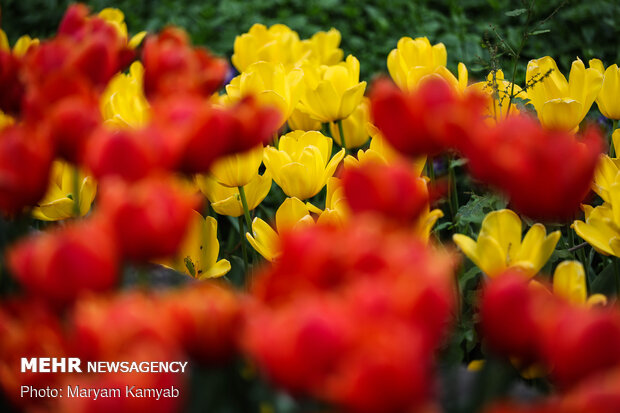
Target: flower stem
point(248, 221)
point(342, 141)
point(430, 169)
point(246, 209)
point(276, 140)
point(76, 192)
point(453, 194)
point(243, 248)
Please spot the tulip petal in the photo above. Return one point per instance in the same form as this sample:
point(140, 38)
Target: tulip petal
point(564, 114)
point(595, 233)
point(216, 270)
point(264, 239)
point(505, 227)
point(289, 213)
point(351, 99)
point(569, 282)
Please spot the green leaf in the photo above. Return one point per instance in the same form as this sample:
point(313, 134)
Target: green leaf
point(605, 282)
point(516, 12)
point(477, 207)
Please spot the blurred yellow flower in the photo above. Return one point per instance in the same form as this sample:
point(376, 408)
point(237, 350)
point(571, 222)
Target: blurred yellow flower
point(226, 200)
point(302, 121)
point(116, 18)
point(271, 84)
point(322, 48)
point(20, 47)
point(292, 214)
point(499, 245)
point(499, 90)
point(238, 169)
point(355, 127)
point(59, 201)
point(561, 104)
point(302, 165)
point(569, 282)
point(197, 256)
point(276, 44)
point(414, 59)
point(5, 120)
point(607, 99)
point(123, 103)
point(332, 92)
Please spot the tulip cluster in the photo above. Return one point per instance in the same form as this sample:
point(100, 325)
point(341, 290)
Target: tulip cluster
point(152, 161)
point(319, 314)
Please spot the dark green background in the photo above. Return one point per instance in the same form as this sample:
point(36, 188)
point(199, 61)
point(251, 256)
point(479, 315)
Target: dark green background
point(369, 29)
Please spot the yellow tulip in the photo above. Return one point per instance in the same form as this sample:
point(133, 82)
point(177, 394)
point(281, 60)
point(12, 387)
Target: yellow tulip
point(302, 165)
point(276, 44)
point(607, 173)
point(607, 99)
point(498, 110)
point(322, 48)
point(569, 282)
point(380, 151)
point(226, 201)
point(336, 209)
point(423, 225)
point(271, 84)
point(499, 245)
point(302, 121)
point(601, 228)
point(123, 103)
point(265, 240)
point(355, 126)
point(116, 18)
point(238, 169)
point(414, 59)
point(332, 92)
point(59, 201)
point(20, 47)
point(197, 255)
point(561, 104)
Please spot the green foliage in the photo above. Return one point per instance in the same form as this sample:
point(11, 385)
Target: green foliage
point(370, 29)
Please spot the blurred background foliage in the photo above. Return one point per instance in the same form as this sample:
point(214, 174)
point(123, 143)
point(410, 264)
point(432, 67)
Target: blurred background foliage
point(370, 29)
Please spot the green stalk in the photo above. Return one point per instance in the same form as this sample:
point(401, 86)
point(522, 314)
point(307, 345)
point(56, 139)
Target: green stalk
point(246, 209)
point(243, 248)
point(276, 140)
point(430, 169)
point(76, 192)
point(453, 194)
point(342, 141)
point(248, 221)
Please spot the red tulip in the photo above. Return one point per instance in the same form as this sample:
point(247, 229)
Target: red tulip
point(60, 265)
point(25, 161)
point(393, 191)
point(149, 218)
point(546, 174)
point(427, 121)
point(172, 66)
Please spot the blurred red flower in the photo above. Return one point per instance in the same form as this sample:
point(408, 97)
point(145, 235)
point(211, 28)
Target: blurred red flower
point(173, 66)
